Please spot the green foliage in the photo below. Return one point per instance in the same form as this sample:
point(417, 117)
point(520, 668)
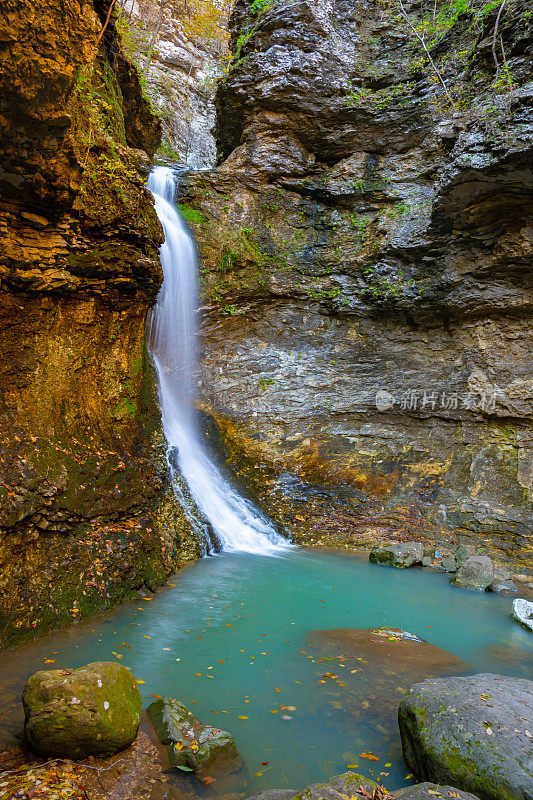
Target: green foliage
point(397, 95)
point(190, 214)
point(260, 6)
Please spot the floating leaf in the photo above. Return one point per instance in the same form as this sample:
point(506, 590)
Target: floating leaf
point(185, 769)
point(139, 680)
point(241, 716)
point(369, 756)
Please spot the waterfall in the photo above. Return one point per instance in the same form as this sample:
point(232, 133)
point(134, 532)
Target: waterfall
point(221, 517)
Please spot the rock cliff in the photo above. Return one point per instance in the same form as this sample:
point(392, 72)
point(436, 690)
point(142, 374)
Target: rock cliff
point(179, 49)
point(86, 514)
point(366, 246)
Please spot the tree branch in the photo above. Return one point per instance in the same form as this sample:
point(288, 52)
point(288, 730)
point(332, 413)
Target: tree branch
point(420, 38)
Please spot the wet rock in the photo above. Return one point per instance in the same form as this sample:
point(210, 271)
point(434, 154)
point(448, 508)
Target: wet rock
point(502, 581)
point(477, 572)
point(398, 555)
point(94, 710)
point(432, 791)
point(523, 612)
point(471, 732)
point(337, 788)
point(190, 744)
point(449, 564)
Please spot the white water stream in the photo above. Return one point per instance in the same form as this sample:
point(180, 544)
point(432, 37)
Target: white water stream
point(222, 518)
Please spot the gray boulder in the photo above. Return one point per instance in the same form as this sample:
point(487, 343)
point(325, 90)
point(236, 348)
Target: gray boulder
point(523, 612)
point(502, 582)
point(398, 555)
point(477, 572)
point(190, 745)
point(473, 733)
point(338, 788)
point(94, 710)
point(449, 564)
point(432, 791)
point(463, 552)
point(348, 785)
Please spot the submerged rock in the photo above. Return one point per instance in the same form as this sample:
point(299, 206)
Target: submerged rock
point(398, 555)
point(477, 572)
point(190, 744)
point(523, 612)
point(94, 710)
point(472, 732)
point(391, 649)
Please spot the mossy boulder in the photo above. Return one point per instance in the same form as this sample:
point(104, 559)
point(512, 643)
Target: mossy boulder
point(94, 710)
point(191, 745)
point(349, 784)
point(398, 555)
point(471, 732)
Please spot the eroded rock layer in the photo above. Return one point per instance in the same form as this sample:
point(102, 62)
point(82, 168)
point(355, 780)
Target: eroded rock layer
point(86, 514)
point(366, 248)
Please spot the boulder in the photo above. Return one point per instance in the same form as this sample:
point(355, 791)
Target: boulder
point(191, 745)
point(477, 572)
point(398, 555)
point(94, 710)
point(337, 788)
point(350, 784)
point(502, 582)
point(449, 564)
point(523, 612)
point(432, 791)
point(471, 732)
point(463, 552)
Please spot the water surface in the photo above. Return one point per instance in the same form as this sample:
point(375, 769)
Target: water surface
point(231, 640)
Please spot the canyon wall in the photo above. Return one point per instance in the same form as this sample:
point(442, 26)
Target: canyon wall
point(86, 512)
point(180, 53)
point(366, 249)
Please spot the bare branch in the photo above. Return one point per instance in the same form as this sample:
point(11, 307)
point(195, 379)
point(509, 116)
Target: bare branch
point(495, 57)
point(420, 38)
point(106, 22)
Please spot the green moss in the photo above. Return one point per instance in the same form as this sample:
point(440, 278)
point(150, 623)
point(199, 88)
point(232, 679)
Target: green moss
point(191, 214)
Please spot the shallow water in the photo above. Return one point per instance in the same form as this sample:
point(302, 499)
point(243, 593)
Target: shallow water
point(227, 640)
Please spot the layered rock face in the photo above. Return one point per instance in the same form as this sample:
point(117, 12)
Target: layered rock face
point(180, 72)
point(83, 489)
point(366, 244)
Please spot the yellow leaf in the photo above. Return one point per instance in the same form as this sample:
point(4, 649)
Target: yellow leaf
point(140, 681)
point(241, 716)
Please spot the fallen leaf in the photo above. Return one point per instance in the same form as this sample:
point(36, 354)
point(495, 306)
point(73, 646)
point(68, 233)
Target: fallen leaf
point(241, 716)
point(369, 756)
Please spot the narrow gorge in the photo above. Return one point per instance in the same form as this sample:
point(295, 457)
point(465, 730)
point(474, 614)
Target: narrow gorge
point(266, 302)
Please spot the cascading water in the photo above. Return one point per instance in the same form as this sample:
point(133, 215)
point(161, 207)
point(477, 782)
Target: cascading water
point(221, 517)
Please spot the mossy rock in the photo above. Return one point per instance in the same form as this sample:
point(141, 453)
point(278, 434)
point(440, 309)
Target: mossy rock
point(340, 787)
point(471, 732)
point(94, 710)
point(192, 746)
